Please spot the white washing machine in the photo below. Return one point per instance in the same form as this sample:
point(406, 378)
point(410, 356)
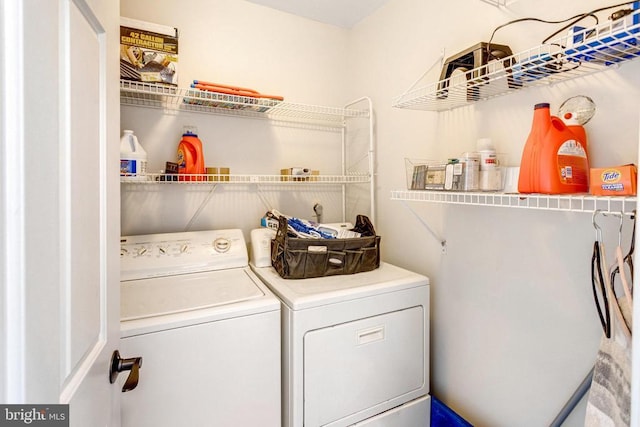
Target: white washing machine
point(207, 328)
point(355, 348)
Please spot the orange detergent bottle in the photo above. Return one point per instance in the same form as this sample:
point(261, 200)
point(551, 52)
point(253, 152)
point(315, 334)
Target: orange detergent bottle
point(190, 158)
point(555, 159)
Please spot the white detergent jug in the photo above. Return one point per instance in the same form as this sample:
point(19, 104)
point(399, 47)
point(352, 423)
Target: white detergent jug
point(133, 158)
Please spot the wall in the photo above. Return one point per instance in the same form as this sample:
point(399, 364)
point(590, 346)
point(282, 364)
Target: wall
point(240, 43)
point(514, 327)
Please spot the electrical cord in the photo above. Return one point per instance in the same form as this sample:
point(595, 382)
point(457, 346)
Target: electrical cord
point(553, 67)
point(574, 19)
point(515, 21)
point(613, 16)
point(570, 24)
point(620, 14)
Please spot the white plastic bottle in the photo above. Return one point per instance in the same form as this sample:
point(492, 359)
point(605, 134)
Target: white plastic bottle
point(133, 158)
point(488, 157)
point(490, 172)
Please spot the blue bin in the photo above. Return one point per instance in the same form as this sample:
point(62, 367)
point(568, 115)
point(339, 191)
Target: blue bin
point(443, 416)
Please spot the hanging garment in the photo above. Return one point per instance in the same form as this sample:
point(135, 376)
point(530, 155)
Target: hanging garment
point(609, 403)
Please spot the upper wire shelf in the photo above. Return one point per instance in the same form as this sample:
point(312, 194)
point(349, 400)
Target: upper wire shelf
point(580, 53)
point(154, 95)
point(556, 202)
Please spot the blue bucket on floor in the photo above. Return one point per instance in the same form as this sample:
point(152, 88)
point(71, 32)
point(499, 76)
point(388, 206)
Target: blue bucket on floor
point(443, 416)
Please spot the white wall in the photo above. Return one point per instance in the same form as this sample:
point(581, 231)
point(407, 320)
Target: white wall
point(514, 329)
point(239, 43)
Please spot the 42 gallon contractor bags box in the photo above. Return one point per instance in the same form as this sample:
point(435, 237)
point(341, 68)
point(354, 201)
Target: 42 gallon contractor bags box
point(304, 258)
point(148, 52)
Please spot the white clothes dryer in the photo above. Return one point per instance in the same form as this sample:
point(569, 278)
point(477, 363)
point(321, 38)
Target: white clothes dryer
point(207, 328)
point(355, 348)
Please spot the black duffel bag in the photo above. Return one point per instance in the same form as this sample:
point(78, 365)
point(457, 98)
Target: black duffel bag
point(304, 258)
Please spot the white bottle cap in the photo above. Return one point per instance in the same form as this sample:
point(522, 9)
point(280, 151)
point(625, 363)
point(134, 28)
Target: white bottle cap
point(485, 144)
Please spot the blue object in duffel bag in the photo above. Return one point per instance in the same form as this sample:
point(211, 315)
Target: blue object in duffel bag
point(443, 416)
point(307, 229)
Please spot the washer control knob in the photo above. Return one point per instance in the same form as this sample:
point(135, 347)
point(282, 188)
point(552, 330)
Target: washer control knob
point(221, 244)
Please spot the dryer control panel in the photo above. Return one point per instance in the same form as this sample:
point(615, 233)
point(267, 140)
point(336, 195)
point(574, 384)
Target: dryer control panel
point(168, 254)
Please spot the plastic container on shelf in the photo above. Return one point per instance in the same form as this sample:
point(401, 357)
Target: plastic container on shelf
point(133, 158)
point(488, 155)
point(471, 159)
point(554, 160)
point(190, 158)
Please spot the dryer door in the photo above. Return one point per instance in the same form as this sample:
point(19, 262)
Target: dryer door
point(354, 367)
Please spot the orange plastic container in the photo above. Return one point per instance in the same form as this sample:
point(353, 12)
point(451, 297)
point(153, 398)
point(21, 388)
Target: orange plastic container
point(555, 158)
point(190, 157)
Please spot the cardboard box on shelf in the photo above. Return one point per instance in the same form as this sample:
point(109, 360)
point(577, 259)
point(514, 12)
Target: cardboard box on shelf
point(614, 181)
point(148, 52)
point(299, 174)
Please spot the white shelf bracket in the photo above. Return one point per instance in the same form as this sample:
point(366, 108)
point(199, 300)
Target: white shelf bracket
point(438, 62)
point(262, 198)
point(498, 3)
point(435, 235)
point(200, 208)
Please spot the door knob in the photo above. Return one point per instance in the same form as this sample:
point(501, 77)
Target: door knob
point(119, 364)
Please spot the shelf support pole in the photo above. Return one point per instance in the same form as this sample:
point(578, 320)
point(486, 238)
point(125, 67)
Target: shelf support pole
point(435, 235)
point(370, 155)
point(573, 401)
point(200, 208)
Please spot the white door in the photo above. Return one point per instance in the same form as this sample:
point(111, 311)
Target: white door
point(59, 216)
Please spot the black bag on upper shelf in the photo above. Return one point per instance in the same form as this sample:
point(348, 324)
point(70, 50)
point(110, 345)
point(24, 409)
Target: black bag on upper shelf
point(300, 258)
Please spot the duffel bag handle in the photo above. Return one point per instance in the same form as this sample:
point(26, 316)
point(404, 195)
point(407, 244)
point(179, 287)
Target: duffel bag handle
point(281, 233)
point(364, 226)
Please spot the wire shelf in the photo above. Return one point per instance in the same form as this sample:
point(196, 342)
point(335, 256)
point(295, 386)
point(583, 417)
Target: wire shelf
point(209, 179)
point(173, 98)
point(581, 53)
point(563, 202)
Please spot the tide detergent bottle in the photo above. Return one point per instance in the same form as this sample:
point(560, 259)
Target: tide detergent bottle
point(555, 158)
point(190, 158)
